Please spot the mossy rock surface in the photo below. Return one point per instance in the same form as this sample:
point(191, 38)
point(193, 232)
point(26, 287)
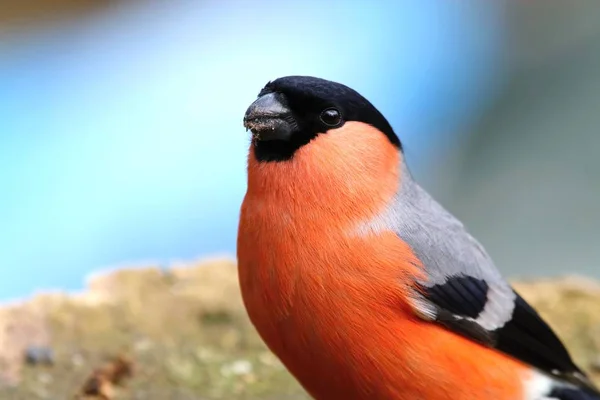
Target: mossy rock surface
point(186, 329)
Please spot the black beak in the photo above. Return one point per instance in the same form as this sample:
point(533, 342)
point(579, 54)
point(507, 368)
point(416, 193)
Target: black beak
point(269, 118)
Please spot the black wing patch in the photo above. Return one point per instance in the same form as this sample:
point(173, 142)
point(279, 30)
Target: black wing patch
point(526, 336)
point(462, 295)
point(458, 301)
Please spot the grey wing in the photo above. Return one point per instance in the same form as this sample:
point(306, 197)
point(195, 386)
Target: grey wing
point(466, 293)
point(461, 276)
point(458, 267)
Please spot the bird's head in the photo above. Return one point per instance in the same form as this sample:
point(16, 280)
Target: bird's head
point(292, 111)
point(320, 145)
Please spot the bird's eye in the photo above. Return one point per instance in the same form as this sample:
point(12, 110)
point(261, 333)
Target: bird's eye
point(331, 117)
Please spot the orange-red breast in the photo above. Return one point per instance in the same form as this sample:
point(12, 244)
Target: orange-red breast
point(360, 282)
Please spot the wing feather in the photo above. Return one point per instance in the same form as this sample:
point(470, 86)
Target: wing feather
point(465, 292)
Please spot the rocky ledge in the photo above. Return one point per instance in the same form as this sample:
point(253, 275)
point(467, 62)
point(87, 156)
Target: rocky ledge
point(181, 333)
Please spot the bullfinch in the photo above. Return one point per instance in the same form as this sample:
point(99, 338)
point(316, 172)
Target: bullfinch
point(360, 282)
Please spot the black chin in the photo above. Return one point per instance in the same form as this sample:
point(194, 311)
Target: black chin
point(278, 150)
point(273, 150)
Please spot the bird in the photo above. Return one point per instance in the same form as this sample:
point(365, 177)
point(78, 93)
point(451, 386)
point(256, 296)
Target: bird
point(360, 282)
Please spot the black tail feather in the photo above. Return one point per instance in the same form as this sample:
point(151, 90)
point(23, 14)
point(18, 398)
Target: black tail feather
point(573, 394)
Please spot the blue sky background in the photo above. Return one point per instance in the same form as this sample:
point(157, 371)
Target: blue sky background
point(121, 137)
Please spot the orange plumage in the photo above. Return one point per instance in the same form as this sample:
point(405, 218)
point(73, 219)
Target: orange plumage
point(331, 304)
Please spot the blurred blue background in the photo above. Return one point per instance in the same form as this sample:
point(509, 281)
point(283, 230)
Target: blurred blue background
point(120, 127)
